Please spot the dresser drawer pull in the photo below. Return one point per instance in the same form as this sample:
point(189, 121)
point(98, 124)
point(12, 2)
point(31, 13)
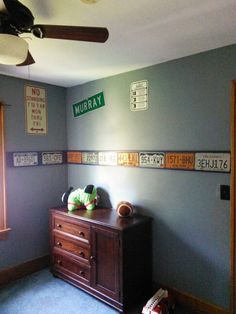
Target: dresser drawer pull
point(59, 262)
point(59, 244)
point(82, 273)
point(59, 225)
point(81, 234)
point(92, 258)
point(81, 254)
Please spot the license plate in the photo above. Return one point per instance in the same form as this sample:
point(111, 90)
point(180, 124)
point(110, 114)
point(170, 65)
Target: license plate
point(25, 159)
point(180, 161)
point(90, 158)
point(50, 158)
point(219, 162)
point(74, 157)
point(107, 158)
point(152, 159)
point(128, 159)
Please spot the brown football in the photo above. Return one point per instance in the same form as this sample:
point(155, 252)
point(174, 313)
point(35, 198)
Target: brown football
point(124, 209)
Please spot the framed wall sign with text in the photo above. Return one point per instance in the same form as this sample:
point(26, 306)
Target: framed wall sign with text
point(35, 110)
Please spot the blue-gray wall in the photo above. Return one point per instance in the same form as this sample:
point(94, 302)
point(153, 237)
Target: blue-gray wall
point(31, 191)
point(189, 109)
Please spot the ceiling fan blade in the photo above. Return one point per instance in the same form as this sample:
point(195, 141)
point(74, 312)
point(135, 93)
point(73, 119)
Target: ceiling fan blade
point(28, 61)
point(81, 33)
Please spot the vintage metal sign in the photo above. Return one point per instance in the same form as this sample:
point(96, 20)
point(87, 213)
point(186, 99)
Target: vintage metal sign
point(74, 157)
point(52, 158)
point(152, 159)
point(25, 159)
point(219, 162)
point(139, 95)
point(86, 105)
point(90, 158)
point(35, 110)
point(128, 159)
point(179, 161)
point(107, 158)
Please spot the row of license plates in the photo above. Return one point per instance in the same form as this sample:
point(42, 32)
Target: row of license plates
point(219, 162)
point(202, 161)
point(32, 158)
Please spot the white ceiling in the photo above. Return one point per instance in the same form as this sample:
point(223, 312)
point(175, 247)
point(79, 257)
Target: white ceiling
point(141, 33)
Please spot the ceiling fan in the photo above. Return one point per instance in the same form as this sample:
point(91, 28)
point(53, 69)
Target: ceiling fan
point(17, 19)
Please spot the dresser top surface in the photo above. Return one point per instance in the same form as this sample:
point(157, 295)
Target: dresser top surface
point(103, 216)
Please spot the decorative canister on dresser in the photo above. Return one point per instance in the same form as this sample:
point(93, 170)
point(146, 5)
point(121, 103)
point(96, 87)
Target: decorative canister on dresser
point(108, 256)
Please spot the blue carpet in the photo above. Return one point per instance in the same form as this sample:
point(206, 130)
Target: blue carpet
point(41, 293)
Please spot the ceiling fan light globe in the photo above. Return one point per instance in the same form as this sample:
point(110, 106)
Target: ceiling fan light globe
point(2, 6)
point(13, 49)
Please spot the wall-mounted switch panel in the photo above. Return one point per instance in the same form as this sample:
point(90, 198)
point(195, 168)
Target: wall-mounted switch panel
point(225, 192)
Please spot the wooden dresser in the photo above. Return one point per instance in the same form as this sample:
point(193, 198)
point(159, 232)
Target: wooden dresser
point(107, 256)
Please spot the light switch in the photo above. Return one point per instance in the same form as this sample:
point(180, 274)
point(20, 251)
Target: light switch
point(225, 192)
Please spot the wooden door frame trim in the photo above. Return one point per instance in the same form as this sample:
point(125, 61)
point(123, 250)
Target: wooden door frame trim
point(233, 199)
point(3, 210)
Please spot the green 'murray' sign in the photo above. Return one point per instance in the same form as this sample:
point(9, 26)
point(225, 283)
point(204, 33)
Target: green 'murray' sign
point(89, 104)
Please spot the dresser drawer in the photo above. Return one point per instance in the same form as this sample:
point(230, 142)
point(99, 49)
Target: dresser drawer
point(71, 227)
point(70, 267)
point(73, 246)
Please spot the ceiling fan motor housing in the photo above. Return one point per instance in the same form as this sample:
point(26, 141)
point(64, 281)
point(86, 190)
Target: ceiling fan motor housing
point(20, 17)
